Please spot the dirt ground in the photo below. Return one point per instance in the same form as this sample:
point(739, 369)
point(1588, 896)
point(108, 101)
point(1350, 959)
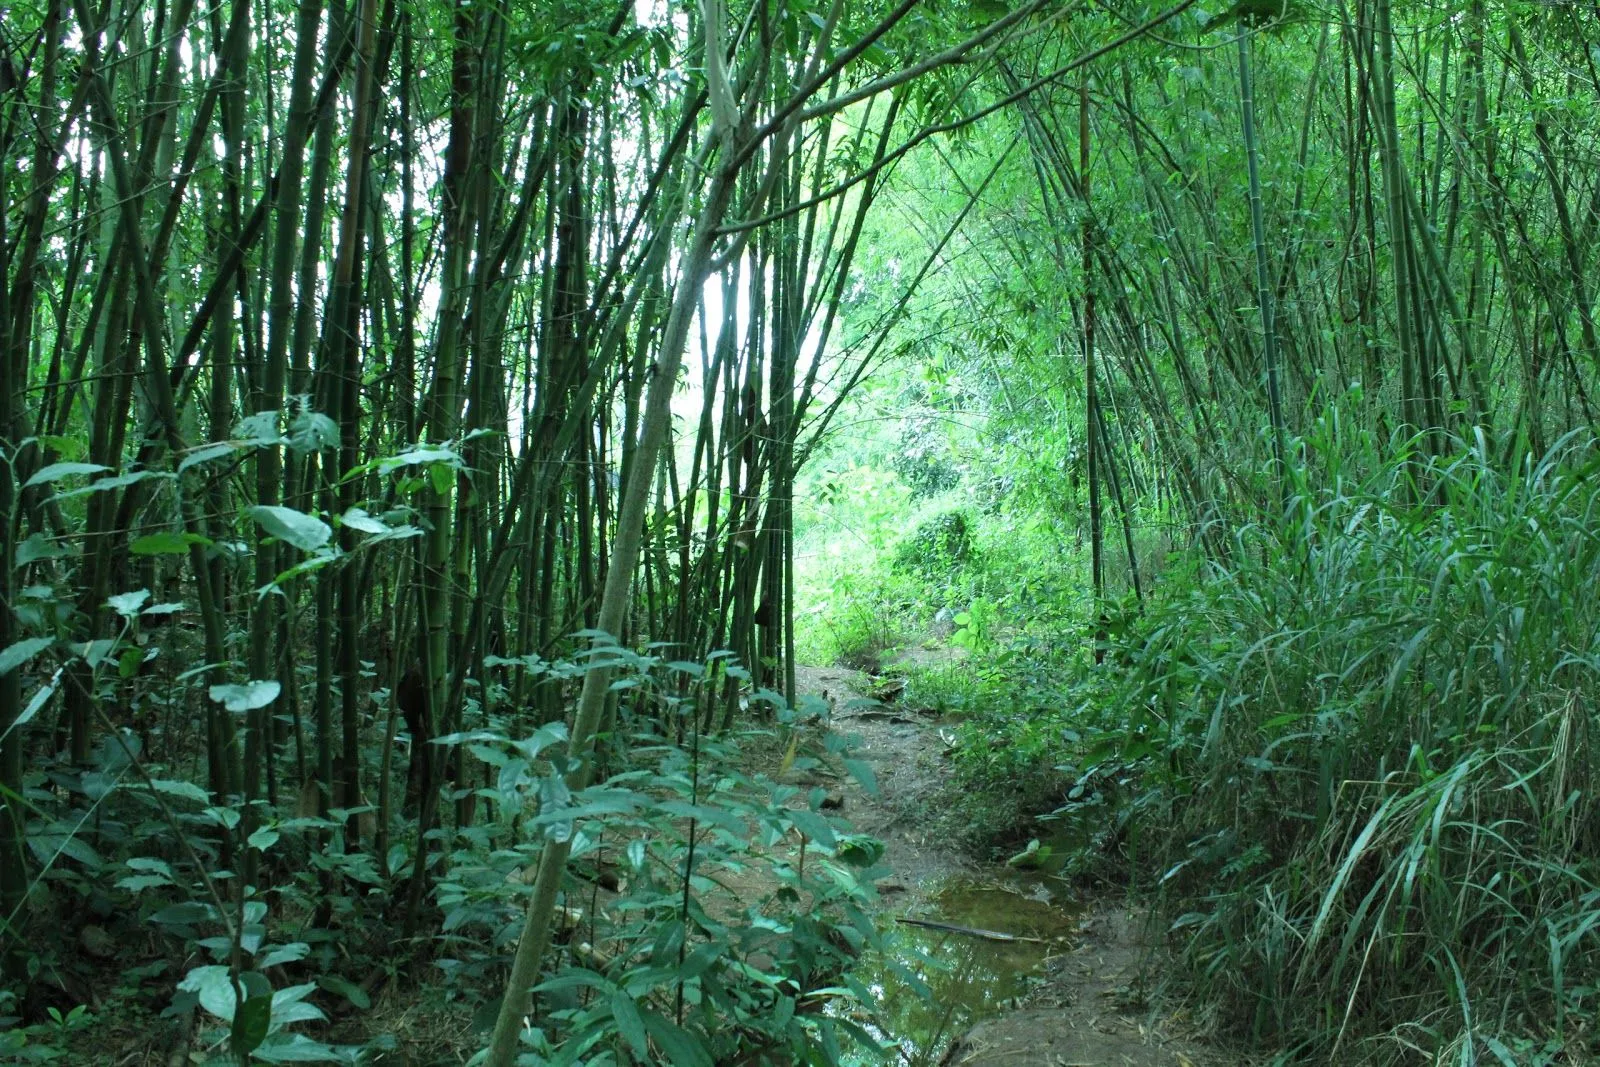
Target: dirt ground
point(901, 747)
point(1086, 1011)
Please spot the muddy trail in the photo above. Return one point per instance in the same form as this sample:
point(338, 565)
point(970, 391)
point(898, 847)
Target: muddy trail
point(1057, 982)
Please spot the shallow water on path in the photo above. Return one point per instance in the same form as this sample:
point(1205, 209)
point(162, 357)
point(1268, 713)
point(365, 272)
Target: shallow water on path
point(932, 984)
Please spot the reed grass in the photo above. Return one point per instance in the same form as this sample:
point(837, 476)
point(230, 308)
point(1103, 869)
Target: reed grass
point(1366, 744)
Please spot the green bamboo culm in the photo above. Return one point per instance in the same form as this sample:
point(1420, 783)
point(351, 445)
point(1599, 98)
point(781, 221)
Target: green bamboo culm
point(1269, 330)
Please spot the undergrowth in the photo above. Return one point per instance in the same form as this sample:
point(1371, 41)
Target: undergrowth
point(1358, 761)
point(886, 573)
point(709, 917)
point(972, 608)
point(1350, 753)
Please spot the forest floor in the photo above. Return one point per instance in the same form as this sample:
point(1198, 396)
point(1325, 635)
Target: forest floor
point(1070, 994)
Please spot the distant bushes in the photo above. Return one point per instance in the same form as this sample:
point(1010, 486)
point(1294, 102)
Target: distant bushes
point(939, 544)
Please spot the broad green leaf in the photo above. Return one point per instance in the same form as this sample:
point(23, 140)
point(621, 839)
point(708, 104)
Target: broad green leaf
point(577, 978)
point(138, 883)
point(298, 1048)
point(705, 813)
point(97, 785)
point(359, 519)
point(313, 562)
point(680, 1048)
point(148, 863)
point(128, 604)
point(247, 697)
point(56, 471)
point(814, 826)
point(421, 456)
point(630, 1025)
point(37, 701)
point(312, 431)
point(188, 913)
point(175, 788)
point(290, 1006)
point(295, 950)
point(442, 478)
point(14, 656)
point(860, 850)
point(489, 754)
point(769, 696)
point(120, 481)
point(512, 774)
point(554, 799)
point(375, 529)
point(263, 839)
point(260, 428)
point(205, 454)
point(38, 547)
point(545, 736)
point(861, 771)
point(251, 1024)
point(346, 989)
point(47, 846)
point(305, 532)
point(215, 989)
point(227, 818)
point(596, 800)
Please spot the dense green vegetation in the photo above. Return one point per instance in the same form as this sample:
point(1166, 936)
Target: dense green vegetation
point(435, 434)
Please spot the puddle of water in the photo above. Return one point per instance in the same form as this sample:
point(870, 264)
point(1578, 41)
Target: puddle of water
point(966, 979)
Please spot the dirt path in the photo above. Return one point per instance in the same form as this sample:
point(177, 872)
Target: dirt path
point(1080, 1007)
point(901, 747)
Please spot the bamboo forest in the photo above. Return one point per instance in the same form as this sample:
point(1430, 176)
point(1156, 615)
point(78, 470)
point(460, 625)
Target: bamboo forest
point(714, 533)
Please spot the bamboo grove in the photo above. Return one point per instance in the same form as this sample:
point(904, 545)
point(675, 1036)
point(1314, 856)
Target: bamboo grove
point(351, 351)
point(1228, 230)
point(354, 334)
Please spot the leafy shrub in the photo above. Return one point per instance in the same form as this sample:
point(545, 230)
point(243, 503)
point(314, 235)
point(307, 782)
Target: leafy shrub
point(939, 545)
point(671, 969)
point(681, 968)
point(858, 626)
point(925, 464)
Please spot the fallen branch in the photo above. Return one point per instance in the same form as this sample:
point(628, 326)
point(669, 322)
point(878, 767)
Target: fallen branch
point(987, 935)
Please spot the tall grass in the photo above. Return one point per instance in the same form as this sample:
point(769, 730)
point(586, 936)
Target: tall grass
point(1366, 745)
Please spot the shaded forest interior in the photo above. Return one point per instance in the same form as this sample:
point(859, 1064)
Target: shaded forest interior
point(435, 436)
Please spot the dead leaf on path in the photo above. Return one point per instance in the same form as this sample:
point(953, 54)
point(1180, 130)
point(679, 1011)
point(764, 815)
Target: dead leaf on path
point(788, 757)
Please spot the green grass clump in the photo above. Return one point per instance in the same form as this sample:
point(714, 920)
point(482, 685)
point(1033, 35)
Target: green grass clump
point(1364, 744)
